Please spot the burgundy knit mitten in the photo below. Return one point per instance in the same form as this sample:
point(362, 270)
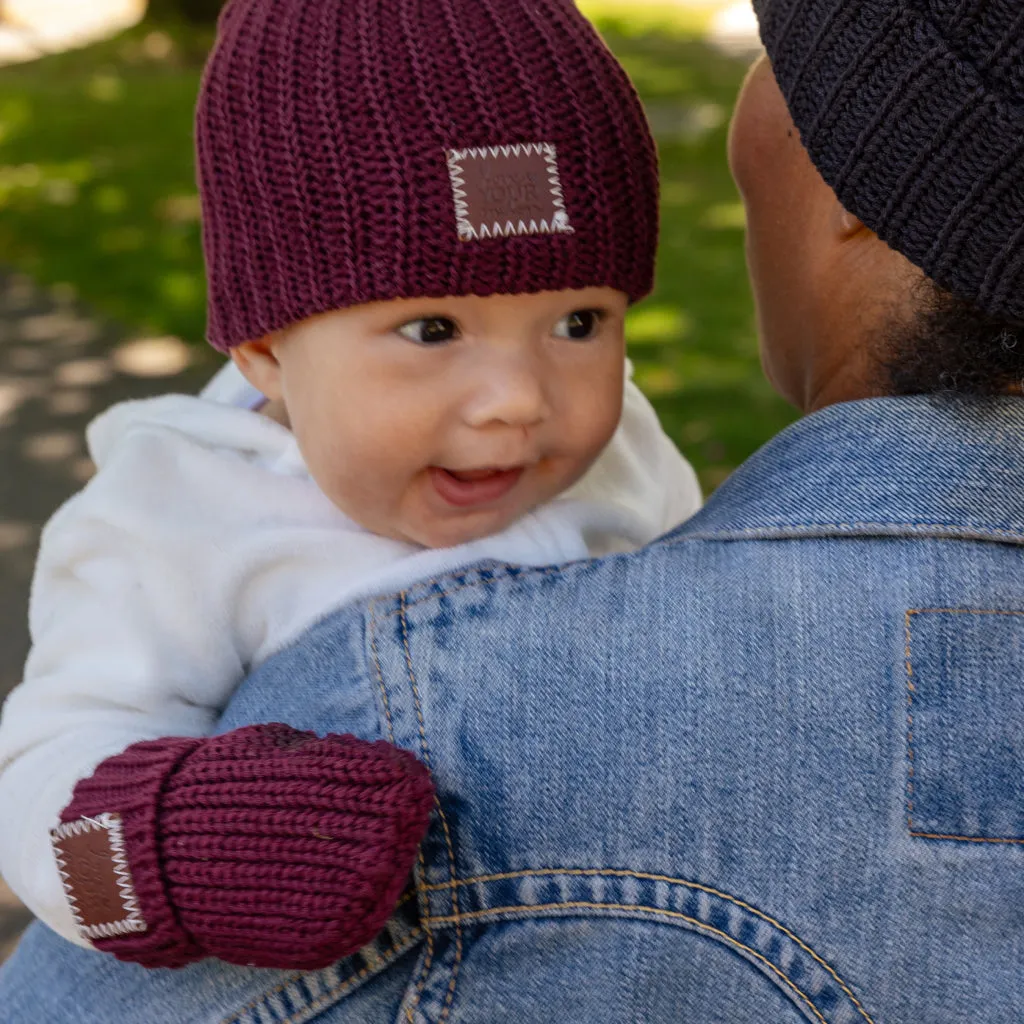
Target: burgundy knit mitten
point(266, 846)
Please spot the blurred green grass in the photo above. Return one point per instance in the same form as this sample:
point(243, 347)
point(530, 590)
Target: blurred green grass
point(97, 195)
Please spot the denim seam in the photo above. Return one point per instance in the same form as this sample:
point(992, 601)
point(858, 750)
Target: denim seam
point(424, 902)
point(813, 531)
point(450, 995)
point(333, 994)
point(379, 674)
point(762, 533)
point(647, 877)
point(548, 570)
point(911, 690)
point(1004, 840)
point(641, 909)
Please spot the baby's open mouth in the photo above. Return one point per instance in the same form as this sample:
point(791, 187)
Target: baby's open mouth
point(465, 488)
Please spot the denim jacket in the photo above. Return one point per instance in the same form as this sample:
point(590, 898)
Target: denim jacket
point(770, 769)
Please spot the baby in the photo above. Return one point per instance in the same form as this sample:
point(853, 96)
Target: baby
point(424, 224)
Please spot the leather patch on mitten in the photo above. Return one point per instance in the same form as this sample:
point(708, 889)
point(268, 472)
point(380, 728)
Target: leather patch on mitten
point(91, 858)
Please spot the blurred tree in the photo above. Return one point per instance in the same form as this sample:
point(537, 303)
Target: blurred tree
point(196, 11)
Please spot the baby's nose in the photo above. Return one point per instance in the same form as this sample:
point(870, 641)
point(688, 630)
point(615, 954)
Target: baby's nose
point(513, 395)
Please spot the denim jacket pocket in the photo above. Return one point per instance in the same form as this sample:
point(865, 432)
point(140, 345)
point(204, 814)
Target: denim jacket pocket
point(965, 724)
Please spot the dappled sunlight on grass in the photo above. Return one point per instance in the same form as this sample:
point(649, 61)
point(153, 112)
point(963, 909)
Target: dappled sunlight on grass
point(639, 18)
point(725, 217)
point(693, 343)
point(653, 324)
point(96, 178)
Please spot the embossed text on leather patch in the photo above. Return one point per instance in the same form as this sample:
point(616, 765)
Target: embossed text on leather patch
point(92, 863)
point(501, 191)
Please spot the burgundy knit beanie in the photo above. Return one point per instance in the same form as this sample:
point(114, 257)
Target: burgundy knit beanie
point(353, 151)
point(913, 111)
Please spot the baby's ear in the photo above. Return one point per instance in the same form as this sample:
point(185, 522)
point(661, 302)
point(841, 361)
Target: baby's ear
point(259, 365)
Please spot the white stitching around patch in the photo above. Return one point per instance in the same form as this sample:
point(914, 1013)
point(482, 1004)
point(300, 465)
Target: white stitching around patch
point(111, 823)
point(470, 232)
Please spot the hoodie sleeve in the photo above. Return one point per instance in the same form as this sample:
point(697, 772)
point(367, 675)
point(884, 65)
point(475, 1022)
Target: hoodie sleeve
point(131, 641)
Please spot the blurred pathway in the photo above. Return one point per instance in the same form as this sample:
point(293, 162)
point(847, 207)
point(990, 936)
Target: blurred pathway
point(59, 367)
point(13, 920)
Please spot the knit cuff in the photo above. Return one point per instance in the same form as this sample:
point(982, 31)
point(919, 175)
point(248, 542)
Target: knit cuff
point(108, 854)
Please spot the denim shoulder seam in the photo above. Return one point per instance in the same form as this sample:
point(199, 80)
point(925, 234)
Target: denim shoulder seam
point(440, 587)
point(821, 531)
point(493, 578)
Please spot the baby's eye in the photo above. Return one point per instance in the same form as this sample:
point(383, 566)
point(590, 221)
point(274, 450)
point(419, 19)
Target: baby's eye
point(431, 330)
point(580, 325)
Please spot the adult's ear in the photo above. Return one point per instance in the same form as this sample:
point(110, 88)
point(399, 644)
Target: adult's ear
point(259, 365)
point(847, 225)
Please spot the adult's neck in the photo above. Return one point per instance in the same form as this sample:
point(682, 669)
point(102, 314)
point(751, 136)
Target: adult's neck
point(847, 384)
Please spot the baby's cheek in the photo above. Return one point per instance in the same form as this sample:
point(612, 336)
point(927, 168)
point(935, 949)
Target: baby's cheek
point(591, 435)
point(600, 428)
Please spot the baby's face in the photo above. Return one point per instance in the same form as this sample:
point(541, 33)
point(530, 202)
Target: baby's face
point(438, 421)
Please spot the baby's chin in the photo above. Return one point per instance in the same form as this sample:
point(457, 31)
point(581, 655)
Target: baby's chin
point(450, 533)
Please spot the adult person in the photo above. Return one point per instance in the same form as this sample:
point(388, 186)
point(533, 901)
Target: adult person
point(770, 767)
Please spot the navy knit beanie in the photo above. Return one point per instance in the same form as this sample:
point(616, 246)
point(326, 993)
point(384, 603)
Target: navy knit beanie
point(913, 112)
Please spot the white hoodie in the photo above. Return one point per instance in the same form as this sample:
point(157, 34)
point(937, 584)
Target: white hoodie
point(201, 547)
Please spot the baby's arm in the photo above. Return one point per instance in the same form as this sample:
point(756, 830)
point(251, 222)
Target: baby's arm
point(128, 645)
point(138, 636)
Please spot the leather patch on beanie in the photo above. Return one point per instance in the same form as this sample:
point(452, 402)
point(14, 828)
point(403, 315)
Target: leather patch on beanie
point(501, 191)
point(92, 863)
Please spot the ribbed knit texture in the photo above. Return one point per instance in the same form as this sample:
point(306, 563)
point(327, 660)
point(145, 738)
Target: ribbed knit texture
point(265, 846)
point(913, 111)
point(322, 133)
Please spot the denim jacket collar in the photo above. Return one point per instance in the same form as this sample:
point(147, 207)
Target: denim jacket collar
point(924, 466)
